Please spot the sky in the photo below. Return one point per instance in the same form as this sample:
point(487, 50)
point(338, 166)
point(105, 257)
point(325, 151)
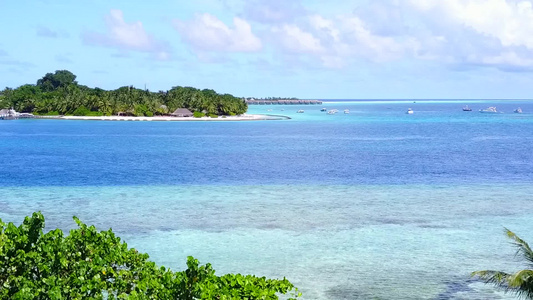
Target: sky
point(349, 49)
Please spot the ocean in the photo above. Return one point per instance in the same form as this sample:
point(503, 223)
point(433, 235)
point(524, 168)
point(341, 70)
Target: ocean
point(372, 204)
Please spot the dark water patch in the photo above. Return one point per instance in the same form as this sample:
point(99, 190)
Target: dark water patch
point(453, 288)
point(343, 292)
point(432, 226)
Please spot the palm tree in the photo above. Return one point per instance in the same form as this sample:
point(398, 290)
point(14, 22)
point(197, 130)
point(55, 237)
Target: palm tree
point(520, 282)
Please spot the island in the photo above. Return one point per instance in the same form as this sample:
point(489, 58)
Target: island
point(58, 94)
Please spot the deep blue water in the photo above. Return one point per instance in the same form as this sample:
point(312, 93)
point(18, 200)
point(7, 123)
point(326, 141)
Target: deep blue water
point(371, 204)
point(374, 144)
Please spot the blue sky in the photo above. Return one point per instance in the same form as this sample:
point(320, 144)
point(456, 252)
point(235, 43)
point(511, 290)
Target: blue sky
point(381, 49)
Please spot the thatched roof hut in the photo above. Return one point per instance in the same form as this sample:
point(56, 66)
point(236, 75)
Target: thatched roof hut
point(182, 112)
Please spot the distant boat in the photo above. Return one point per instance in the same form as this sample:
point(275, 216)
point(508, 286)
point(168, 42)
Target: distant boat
point(409, 111)
point(323, 109)
point(346, 111)
point(489, 110)
point(301, 111)
point(332, 112)
point(466, 108)
point(518, 110)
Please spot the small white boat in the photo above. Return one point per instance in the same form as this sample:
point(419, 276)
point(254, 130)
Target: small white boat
point(332, 112)
point(409, 111)
point(466, 108)
point(518, 110)
point(323, 109)
point(346, 111)
point(301, 111)
point(489, 110)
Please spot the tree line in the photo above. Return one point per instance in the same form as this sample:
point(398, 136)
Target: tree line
point(60, 94)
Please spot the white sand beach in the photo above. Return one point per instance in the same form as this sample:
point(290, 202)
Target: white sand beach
point(243, 117)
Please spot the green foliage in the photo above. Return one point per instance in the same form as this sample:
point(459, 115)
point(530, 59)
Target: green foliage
point(60, 92)
point(60, 78)
point(81, 111)
point(213, 116)
point(521, 282)
point(95, 114)
point(140, 110)
point(50, 113)
point(198, 114)
point(92, 264)
point(24, 98)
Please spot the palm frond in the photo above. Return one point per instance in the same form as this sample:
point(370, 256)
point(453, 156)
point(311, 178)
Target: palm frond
point(523, 248)
point(521, 282)
point(498, 278)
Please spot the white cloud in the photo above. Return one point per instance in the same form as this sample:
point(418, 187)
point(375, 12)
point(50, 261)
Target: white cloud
point(207, 33)
point(482, 32)
point(324, 27)
point(295, 40)
point(511, 22)
point(336, 42)
point(127, 37)
point(374, 47)
point(273, 11)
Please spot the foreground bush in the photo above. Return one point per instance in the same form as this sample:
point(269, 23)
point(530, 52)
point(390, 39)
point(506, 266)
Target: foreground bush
point(92, 264)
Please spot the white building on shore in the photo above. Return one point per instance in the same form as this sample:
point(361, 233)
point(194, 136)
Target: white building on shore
point(11, 114)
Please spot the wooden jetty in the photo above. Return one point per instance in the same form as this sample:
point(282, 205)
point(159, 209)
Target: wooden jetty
point(284, 102)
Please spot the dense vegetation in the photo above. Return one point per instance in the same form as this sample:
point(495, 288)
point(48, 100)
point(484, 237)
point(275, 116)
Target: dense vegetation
point(521, 282)
point(91, 264)
point(58, 93)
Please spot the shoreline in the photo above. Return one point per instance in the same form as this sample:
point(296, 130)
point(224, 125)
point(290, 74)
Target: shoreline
point(243, 117)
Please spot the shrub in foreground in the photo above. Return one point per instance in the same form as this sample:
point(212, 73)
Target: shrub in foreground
point(92, 264)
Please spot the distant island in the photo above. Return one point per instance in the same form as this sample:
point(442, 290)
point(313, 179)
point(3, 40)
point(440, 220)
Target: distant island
point(59, 94)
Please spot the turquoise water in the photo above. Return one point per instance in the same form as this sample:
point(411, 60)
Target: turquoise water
point(375, 204)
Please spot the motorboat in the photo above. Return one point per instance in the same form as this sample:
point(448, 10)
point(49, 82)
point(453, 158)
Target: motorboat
point(466, 108)
point(301, 111)
point(323, 109)
point(332, 112)
point(409, 111)
point(518, 110)
point(489, 110)
point(346, 111)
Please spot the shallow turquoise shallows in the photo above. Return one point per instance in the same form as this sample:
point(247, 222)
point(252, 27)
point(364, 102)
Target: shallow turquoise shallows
point(371, 204)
